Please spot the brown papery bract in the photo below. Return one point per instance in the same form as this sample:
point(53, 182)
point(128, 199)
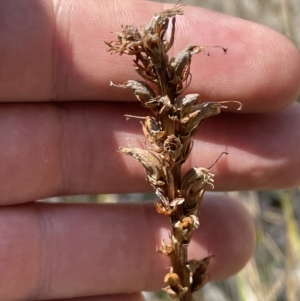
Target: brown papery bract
point(169, 139)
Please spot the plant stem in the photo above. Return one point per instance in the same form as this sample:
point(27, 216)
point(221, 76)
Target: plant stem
point(183, 271)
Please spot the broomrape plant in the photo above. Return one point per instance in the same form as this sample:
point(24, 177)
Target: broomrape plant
point(169, 139)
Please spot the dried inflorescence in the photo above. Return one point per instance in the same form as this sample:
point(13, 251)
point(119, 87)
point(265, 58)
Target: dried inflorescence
point(169, 139)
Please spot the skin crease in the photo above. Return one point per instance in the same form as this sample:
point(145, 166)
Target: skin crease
point(54, 141)
point(120, 297)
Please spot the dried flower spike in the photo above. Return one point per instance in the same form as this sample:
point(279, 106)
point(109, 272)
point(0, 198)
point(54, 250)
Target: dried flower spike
point(168, 139)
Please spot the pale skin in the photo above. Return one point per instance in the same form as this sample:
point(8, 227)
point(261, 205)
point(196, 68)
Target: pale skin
point(52, 54)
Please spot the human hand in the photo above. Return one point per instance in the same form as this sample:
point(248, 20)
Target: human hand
point(54, 141)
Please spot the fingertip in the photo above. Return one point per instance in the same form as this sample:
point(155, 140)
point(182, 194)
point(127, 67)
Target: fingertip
point(260, 68)
point(227, 232)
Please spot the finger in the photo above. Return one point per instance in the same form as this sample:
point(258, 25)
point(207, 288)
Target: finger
point(57, 52)
point(53, 149)
point(66, 251)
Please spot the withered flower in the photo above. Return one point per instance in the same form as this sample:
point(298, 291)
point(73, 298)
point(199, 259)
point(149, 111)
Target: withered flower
point(168, 139)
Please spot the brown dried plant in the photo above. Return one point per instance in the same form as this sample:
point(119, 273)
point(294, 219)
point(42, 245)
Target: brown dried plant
point(169, 140)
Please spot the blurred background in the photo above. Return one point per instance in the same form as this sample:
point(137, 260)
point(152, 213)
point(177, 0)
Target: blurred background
point(273, 274)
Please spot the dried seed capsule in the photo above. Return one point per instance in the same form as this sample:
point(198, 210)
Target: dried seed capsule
point(184, 228)
point(179, 66)
point(161, 209)
point(172, 149)
point(142, 91)
point(159, 22)
point(168, 209)
point(165, 249)
point(199, 113)
point(196, 179)
point(154, 48)
point(128, 41)
point(208, 109)
point(152, 165)
point(174, 289)
point(198, 271)
point(152, 125)
point(153, 133)
point(185, 104)
point(193, 186)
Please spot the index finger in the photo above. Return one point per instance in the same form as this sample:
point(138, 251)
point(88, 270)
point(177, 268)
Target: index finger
point(55, 51)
